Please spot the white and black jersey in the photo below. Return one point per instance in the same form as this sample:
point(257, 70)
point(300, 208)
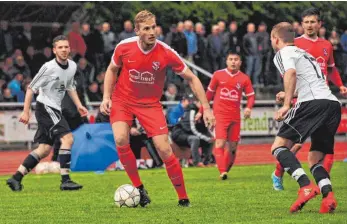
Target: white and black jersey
point(310, 81)
point(317, 112)
point(52, 81)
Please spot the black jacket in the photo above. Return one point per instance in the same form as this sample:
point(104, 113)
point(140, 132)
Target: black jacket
point(188, 125)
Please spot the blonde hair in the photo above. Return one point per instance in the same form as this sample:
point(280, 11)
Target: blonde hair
point(284, 31)
point(143, 16)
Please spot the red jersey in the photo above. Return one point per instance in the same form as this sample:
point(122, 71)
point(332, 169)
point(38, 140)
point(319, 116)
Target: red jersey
point(321, 49)
point(228, 90)
point(142, 76)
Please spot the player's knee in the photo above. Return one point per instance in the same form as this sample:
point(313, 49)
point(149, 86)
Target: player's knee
point(67, 140)
point(220, 143)
point(122, 139)
point(43, 150)
point(163, 147)
point(296, 148)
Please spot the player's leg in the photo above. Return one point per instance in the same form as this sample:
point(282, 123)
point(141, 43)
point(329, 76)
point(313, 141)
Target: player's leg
point(173, 168)
point(322, 144)
point(233, 139)
point(277, 175)
point(29, 163)
point(281, 150)
point(121, 119)
point(154, 122)
point(221, 135)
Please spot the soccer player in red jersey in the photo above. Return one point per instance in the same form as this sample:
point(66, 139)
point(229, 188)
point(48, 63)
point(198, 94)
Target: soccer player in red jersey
point(322, 50)
point(226, 88)
point(143, 61)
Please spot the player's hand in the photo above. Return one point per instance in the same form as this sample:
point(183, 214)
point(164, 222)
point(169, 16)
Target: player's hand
point(134, 132)
point(247, 113)
point(343, 91)
point(83, 111)
point(281, 113)
point(105, 106)
point(198, 116)
point(209, 119)
point(24, 117)
point(280, 97)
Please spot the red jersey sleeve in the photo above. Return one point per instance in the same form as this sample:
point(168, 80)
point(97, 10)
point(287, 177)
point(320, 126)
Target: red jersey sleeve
point(248, 88)
point(213, 83)
point(331, 60)
point(117, 56)
point(175, 62)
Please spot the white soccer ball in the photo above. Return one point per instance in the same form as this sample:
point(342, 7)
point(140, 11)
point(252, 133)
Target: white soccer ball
point(127, 196)
point(54, 167)
point(42, 168)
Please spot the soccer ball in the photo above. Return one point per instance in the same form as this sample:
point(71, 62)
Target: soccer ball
point(127, 196)
point(42, 168)
point(54, 167)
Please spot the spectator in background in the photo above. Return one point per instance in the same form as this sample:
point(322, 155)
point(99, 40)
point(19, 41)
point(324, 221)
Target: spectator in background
point(334, 39)
point(225, 40)
point(28, 37)
point(43, 57)
point(179, 41)
point(29, 59)
point(215, 49)
point(6, 37)
point(263, 40)
point(175, 113)
point(110, 41)
point(344, 52)
point(15, 84)
point(55, 31)
point(77, 45)
point(9, 69)
point(22, 67)
point(170, 34)
point(322, 33)
point(296, 26)
point(200, 58)
point(93, 93)
point(300, 31)
point(234, 38)
point(191, 40)
point(159, 33)
point(95, 45)
point(128, 31)
point(250, 47)
point(171, 94)
point(86, 70)
point(16, 54)
point(100, 78)
point(8, 97)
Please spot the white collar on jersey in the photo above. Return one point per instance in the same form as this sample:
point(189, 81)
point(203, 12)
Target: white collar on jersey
point(143, 51)
point(307, 38)
point(232, 75)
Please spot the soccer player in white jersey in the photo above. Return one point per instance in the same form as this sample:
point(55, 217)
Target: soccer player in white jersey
point(51, 82)
point(316, 114)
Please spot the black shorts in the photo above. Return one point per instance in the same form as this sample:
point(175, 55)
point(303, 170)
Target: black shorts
point(318, 119)
point(51, 124)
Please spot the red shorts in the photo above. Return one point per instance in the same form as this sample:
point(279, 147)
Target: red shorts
point(151, 118)
point(228, 129)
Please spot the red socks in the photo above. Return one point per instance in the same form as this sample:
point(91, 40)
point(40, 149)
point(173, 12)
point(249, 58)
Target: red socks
point(174, 171)
point(279, 170)
point(219, 156)
point(128, 160)
point(328, 162)
point(229, 159)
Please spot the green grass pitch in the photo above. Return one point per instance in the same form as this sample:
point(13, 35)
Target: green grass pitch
point(246, 197)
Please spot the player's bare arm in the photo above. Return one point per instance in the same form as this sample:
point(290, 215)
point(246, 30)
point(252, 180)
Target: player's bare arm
point(335, 78)
point(199, 92)
point(289, 80)
point(81, 109)
point(25, 116)
point(110, 78)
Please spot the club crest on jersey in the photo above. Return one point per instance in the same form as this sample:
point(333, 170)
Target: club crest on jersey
point(325, 52)
point(156, 65)
point(238, 85)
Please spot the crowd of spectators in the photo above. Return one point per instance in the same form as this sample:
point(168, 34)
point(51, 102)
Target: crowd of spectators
point(23, 51)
